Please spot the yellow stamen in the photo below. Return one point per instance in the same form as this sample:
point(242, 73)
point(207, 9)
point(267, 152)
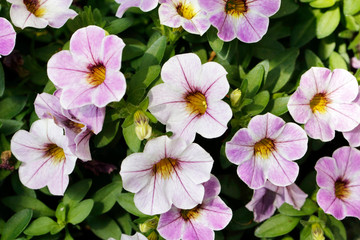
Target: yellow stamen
point(318, 103)
point(264, 147)
point(341, 189)
point(165, 167)
point(96, 75)
point(235, 7)
point(55, 152)
point(186, 10)
point(33, 6)
point(190, 214)
point(196, 103)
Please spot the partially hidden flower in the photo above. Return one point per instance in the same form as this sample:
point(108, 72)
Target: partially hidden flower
point(266, 150)
point(46, 158)
point(40, 13)
point(189, 100)
point(7, 37)
point(169, 171)
point(355, 62)
point(89, 73)
point(136, 236)
point(266, 199)
point(324, 102)
point(199, 222)
point(247, 20)
point(184, 13)
point(339, 182)
point(79, 123)
point(353, 136)
point(144, 5)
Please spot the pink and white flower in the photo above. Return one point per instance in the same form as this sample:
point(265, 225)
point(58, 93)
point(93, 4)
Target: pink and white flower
point(353, 136)
point(89, 73)
point(324, 102)
point(355, 62)
point(199, 222)
point(265, 200)
point(46, 158)
point(247, 20)
point(79, 123)
point(169, 171)
point(339, 182)
point(40, 13)
point(136, 236)
point(7, 37)
point(144, 5)
point(266, 150)
point(189, 100)
point(184, 13)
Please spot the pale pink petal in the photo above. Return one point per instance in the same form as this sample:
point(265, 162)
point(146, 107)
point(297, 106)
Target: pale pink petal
point(294, 196)
point(262, 204)
point(319, 127)
point(196, 231)
point(77, 96)
point(213, 82)
point(252, 173)
point(212, 5)
point(330, 204)
point(355, 62)
point(267, 8)
point(225, 25)
point(353, 137)
point(215, 214)
point(144, 5)
point(241, 147)
point(22, 18)
point(169, 16)
point(299, 106)
point(281, 172)
point(27, 147)
point(252, 26)
point(342, 87)
point(183, 125)
point(345, 116)
point(326, 172)
point(265, 126)
point(171, 224)
point(92, 116)
point(112, 48)
point(7, 37)
point(82, 145)
point(136, 236)
point(212, 188)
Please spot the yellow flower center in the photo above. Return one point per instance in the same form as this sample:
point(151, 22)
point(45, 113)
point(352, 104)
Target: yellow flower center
point(196, 103)
point(33, 6)
point(341, 189)
point(165, 167)
point(190, 214)
point(55, 152)
point(264, 147)
point(235, 7)
point(186, 10)
point(318, 103)
point(96, 75)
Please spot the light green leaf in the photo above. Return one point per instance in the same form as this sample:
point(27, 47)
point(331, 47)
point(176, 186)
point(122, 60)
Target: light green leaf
point(17, 203)
point(259, 104)
point(104, 227)
point(255, 78)
point(154, 54)
point(322, 3)
point(312, 60)
point(215, 43)
point(309, 208)
point(337, 228)
point(16, 224)
point(277, 225)
point(105, 198)
point(351, 7)
point(11, 106)
point(119, 25)
point(40, 226)
point(108, 133)
point(131, 138)
point(78, 212)
point(327, 22)
point(126, 201)
point(336, 61)
point(77, 192)
point(8, 127)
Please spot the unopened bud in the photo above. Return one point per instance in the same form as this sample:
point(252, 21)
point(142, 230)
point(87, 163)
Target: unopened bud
point(317, 232)
point(235, 97)
point(149, 224)
point(152, 236)
point(142, 128)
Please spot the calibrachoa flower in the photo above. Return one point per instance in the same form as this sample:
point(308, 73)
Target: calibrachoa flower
point(169, 171)
point(46, 158)
point(265, 200)
point(355, 62)
point(184, 13)
point(189, 100)
point(266, 150)
point(137, 236)
point(89, 72)
point(338, 179)
point(40, 13)
point(199, 222)
point(324, 102)
point(247, 20)
point(7, 37)
point(144, 5)
point(75, 122)
point(353, 136)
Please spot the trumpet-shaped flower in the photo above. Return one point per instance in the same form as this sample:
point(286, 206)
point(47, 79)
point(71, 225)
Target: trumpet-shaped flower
point(265, 200)
point(247, 20)
point(324, 102)
point(199, 222)
point(46, 158)
point(40, 13)
point(266, 150)
point(79, 124)
point(189, 100)
point(137, 236)
point(144, 5)
point(338, 179)
point(7, 37)
point(89, 72)
point(184, 13)
point(169, 171)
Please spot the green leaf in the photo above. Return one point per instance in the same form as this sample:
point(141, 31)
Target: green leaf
point(104, 227)
point(277, 225)
point(125, 223)
point(19, 188)
point(242, 219)
point(327, 46)
point(154, 54)
point(8, 127)
point(108, 133)
point(16, 224)
point(322, 3)
point(259, 104)
point(287, 7)
point(119, 25)
point(327, 22)
point(2, 80)
point(60, 213)
point(278, 106)
point(78, 212)
point(351, 7)
point(215, 43)
point(255, 78)
point(40, 226)
point(312, 60)
point(133, 49)
point(305, 234)
point(77, 192)
point(105, 198)
point(126, 201)
point(12, 106)
point(304, 29)
point(337, 228)
point(308, 208)
point(131, 138)
point(336, 61)
point(17, 203)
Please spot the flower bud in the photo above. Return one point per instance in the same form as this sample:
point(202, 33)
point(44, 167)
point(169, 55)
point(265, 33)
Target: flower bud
point(317, 232)
point(142, 128)
point(149, 224)
point(235, 97)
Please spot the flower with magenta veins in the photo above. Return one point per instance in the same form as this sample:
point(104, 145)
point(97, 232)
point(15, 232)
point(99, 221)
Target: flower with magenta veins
point(89, 73)
point(339, 182)
point(46, 158)
point(247, 20)
point(266, 151)
point(144, 5)
point(7, 37)
point(169, 171)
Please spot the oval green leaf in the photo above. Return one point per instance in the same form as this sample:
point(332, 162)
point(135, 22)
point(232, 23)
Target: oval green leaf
point(277, 225)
